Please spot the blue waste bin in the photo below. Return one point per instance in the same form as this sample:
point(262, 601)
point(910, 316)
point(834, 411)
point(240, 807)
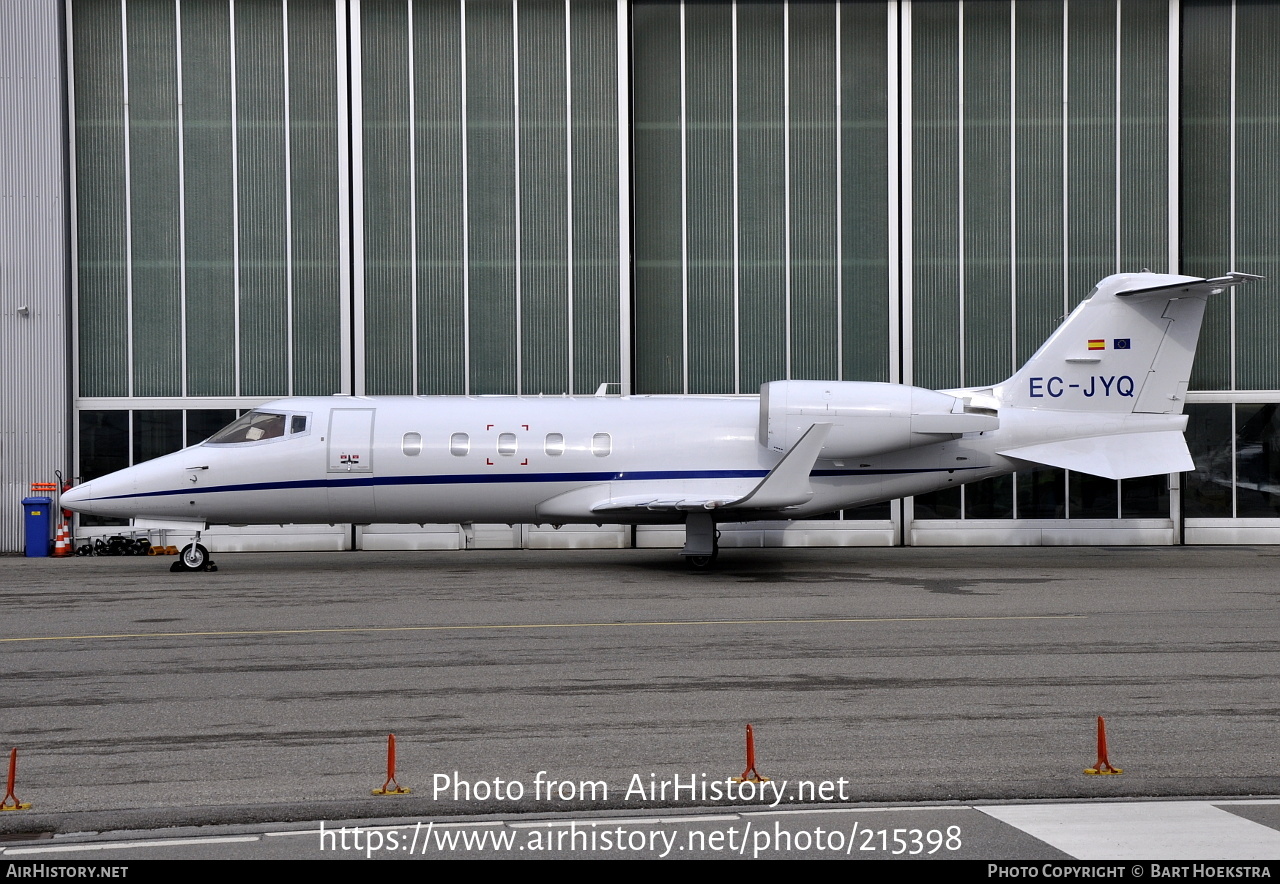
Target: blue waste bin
point(38, 522)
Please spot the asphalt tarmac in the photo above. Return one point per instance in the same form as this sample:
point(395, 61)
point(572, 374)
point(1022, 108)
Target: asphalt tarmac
point(140, 698)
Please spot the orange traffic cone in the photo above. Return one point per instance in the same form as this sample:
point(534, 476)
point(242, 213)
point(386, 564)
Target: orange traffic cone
point(62, 545)
point(1104, 765)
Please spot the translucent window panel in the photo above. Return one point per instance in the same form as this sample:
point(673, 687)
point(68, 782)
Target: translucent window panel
point(554, 445)
point(709, 195)
point(514, 264)
point(601, 444)
point(1257, 193)
point(871, 512)
point(104, 443)
point(935, 222)
point(987, 229)
point(1205, 177)
point(156, 433)
point(989, 499)
point(1039, 94)
point(944, 504)
point(459, 444)
point(1039, 147)
point(1091, 146)
point(411, 444)
point(1041, 493)
point(491, 196)
point(543, 225)
point(1145, 497)
point(263, 192)
point(658, 194)
point(1145, 157)
point(813, 186)
point(1257, 461)
point(102, 265)
point(388, 198)
point(316, 242)
point(864, 181)
point(438, 164)
point(507, 444)
point(104, 448)
point(1092, 497)
point(209, 195)
point(762, 194)
point(1206, 492)
point(155, 193)
point(593, 31)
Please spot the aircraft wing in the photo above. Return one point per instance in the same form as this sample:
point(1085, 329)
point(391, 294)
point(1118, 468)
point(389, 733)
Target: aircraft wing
point(786, 485)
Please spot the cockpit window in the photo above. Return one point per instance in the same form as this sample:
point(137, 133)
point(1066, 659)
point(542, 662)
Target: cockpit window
point(298, 424)
point(252, 427)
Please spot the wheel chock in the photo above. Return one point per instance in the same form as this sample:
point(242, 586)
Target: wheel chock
point(391, 772)
point(8, 795)
point(1104, 765)
point(750, 775)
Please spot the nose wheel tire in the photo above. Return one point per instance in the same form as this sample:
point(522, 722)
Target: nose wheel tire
point(195, 557)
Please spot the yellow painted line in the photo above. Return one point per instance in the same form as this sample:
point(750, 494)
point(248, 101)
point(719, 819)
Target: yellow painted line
point(473, 628)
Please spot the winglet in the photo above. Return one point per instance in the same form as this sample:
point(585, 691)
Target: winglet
point(788, 483)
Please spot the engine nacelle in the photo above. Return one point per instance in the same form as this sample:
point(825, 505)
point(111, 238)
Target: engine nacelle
point(866, 418)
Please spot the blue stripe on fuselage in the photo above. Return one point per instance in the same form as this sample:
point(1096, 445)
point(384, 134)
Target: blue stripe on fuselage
point(502, 478)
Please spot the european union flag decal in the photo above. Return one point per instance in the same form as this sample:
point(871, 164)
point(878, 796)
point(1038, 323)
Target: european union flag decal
point(1120, 344)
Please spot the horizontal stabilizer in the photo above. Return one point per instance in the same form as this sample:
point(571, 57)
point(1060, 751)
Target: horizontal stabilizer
point(1113, 457)
point(1215, 286)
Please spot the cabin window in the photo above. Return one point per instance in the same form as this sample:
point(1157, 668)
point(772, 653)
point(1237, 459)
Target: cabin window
point(601, 444)
point(298, 424)
point(411, 444)
point(459, 444)
point(507, 444)
point(554, 445)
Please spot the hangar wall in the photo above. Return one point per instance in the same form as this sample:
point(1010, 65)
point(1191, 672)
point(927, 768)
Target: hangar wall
point(35, 340)
point(396, 196)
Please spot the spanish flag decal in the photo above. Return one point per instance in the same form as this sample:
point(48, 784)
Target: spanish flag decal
point(1099, 344)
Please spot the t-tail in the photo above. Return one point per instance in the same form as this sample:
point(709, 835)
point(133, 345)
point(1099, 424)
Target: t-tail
point(1108, 387)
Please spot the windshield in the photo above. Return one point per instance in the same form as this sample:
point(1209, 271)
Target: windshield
point(252, 427)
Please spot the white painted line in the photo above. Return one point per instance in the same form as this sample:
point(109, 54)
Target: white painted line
point(859, 810)
point(628, 821)
point(492, 824)
point(125, 845)
point(1168, 830)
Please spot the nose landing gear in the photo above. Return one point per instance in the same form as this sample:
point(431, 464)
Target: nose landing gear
point(194, 557)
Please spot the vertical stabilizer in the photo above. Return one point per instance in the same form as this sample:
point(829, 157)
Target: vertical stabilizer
point(1127, 348)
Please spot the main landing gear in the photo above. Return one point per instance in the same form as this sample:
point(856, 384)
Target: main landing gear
point(701, 541)
point(194, 557)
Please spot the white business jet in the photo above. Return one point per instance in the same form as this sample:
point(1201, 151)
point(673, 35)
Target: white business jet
point(1103, 395)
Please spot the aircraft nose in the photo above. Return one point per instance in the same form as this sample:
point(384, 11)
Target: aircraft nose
point(78, 498)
